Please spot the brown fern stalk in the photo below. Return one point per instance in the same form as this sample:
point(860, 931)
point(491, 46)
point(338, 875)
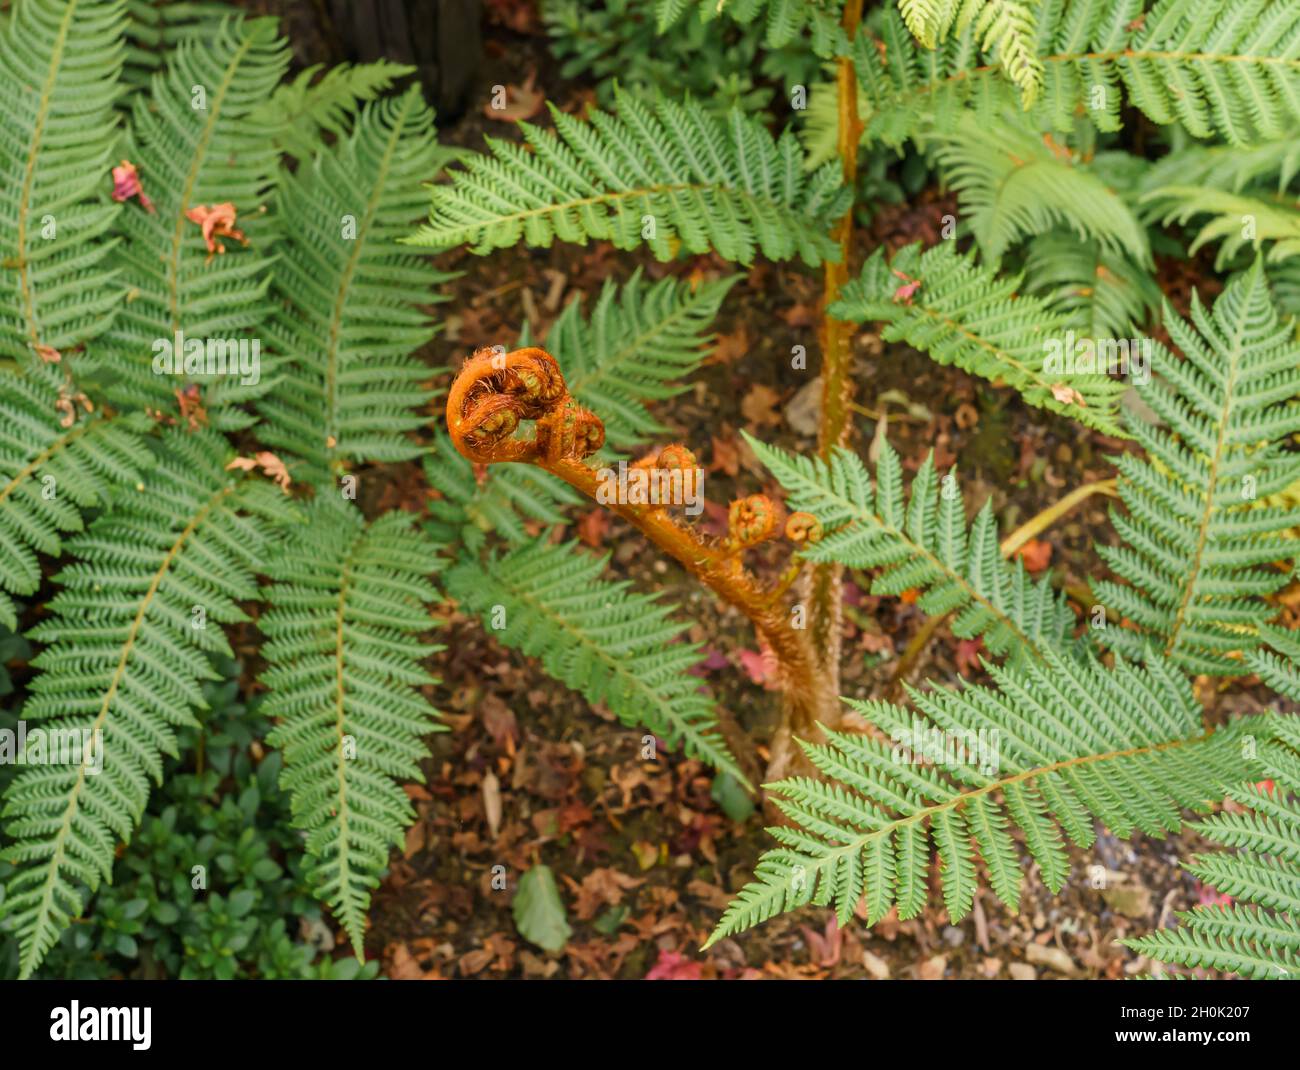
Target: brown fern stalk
point(493, 398)
point(825, 587)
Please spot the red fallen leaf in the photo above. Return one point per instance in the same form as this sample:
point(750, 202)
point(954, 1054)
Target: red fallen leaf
point(761, 665)
point(909, 597)
point(673, 966)
point(910, 286)
point(1036, 554)
point(1208, 896)
point(826, 947)
point(216, 222)
point(48, 353)
point(126, 184)
point(713, 661)
point(968, 655)
point(269, 463)
point(592, 528)
point(1267, 786)
point(1067, 395)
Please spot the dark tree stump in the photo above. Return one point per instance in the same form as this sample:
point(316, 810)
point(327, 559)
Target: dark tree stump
point(440, 37)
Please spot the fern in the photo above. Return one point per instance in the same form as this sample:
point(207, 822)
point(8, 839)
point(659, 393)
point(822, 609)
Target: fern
point(128, 645)
point(349, 294)
point(638, 340)
point(509, 500)
point(1064, 741)
point(59, 64)
point(1100, 293)
point(1012, 185)
point(49, 473)
point(922, 542)
point(314, 104)
point(343, 644)
point(1214, 66)
point(1258, 936)
point(190, 156)
point(784, 20)
point(965, 315)
point(615, 647)
point(667, 174)
point(1006, 28)
point(158, 26)
point(1195, 539)
point(1279, 667)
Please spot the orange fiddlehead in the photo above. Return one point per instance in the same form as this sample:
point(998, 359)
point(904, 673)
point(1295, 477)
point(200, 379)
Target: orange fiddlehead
point(496, 393)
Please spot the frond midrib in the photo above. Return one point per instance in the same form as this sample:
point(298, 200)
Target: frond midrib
point(74, 796)
point(29, 174)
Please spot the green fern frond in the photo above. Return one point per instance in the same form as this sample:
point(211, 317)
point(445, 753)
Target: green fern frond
point(966, 315)
point(1053, 746)
point(1279, 667)
point(1011, 185)
point(195, 144)
point(155, 27)
point(597, 637)
point(664, 173)
point(349, 312)
point(1005, 29)
point(784, 20)
point(49, 473)
point(59, 65)
point(1196, 542)
point(1257, 936)
point(639, 339)
point(1215, 66)
point(349, 603)
point(309, 106)
point(127, 647)
point(1101, 294)
point(921, 541)
point(510, 499)
point(1239, 219)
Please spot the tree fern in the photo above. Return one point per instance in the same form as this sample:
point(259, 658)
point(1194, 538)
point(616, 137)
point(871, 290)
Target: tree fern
point(1280, 666)
point(1214, 66)
point(157, 26)
point(1100, 293)
point(508, 500)
point(922, 542)
point(127, 646)
point(1011, 184)
point(1258, 934)
point(59, 64)
point(638, 340)
point(966, 315)
point(349, 295)
point(592, 634)
point(343, 643)
point(667, 174)
point(313, 103)
point(784, 20)
point(1195, 539)
point(50, 472)
point(190, 156)
point(1006, 29)
point(1064, 742)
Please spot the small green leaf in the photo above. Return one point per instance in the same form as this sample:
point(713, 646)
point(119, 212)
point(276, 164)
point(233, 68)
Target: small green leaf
point(733, 799)
point(539, 911)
